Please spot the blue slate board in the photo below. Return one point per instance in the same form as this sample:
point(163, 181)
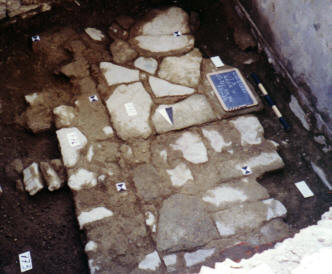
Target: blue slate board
point(231, 89)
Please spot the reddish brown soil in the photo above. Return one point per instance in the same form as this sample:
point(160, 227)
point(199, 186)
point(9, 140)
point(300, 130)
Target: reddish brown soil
point(45, 224)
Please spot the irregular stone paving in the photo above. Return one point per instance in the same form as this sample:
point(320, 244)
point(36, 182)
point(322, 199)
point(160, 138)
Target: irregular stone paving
point(309, 251)
point(161, 180)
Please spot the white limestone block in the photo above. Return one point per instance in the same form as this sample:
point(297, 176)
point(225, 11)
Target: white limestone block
point(95, 34)
point(183, 70)
point(180, 175)
point(216, 140)
point(91, 246)
point(71, 141)
point(52, 179)
point(115, 74)
point(129, 107)
point(149, 65)
point(192, 148)
point(194, 110)
point(82, 179)
point(150, 262)
point(165, 22)
point(163, 45)
point(93, 215)
point(250, 129)
point(32, 179)
point(162, 88)
point(199, 256)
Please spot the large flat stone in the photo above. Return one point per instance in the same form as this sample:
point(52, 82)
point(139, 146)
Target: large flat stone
point(163, 45)
point(32, 179)
point(115, 74)
point(250, 129)
point(183, 224)
point(149, 184)
point(192, 148)
point(247, 216)
point(229, 194)
point(194, 110)
point(71, 141)
point(161, 22)
point(162, 88)
point(149, 65)
point(184, 70)
point(129, 107)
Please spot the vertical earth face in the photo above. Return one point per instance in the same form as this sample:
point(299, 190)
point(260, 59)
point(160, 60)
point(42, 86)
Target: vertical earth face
point(162, 178)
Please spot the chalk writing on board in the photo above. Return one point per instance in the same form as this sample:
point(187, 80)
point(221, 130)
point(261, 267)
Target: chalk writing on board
point(231, 89)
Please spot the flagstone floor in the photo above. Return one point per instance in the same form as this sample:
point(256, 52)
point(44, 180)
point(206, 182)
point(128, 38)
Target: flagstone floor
point(163, 178)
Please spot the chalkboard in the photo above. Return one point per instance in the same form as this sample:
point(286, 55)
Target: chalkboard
point(231, 89)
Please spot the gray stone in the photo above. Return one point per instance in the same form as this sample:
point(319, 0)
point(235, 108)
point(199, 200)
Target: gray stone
point(71, 141)
point(194, 110)
point(162, 88)
point(92, 118)
point(32, 179)
point(122, 52)
point(163, 45)
point(163, 22)
point(52, 179)
point(149, 184)
point(115, 74)
point(183, 224)
point(149, 65)
point(228, 195)
point(248, 216)
point(129, 107)
point(184, 70)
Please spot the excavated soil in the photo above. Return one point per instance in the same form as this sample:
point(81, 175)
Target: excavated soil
point(45, 224)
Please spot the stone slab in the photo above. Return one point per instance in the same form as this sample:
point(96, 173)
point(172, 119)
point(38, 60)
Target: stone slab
point(129, 107)
point(194, 110)
point(115, 74)
point(163, 22)
point(163, 45)
point(148, 64)
point(183, 224)
point(32, 179)
point(228, 195)
point(248, 216)
point(71, 141)
point(192, 148)
point(95, 34)
point(184, 70)
point(162, 88)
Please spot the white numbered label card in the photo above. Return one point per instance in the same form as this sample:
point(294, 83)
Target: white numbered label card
point(130, 109)
point(25, 261)
point(73, 139)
